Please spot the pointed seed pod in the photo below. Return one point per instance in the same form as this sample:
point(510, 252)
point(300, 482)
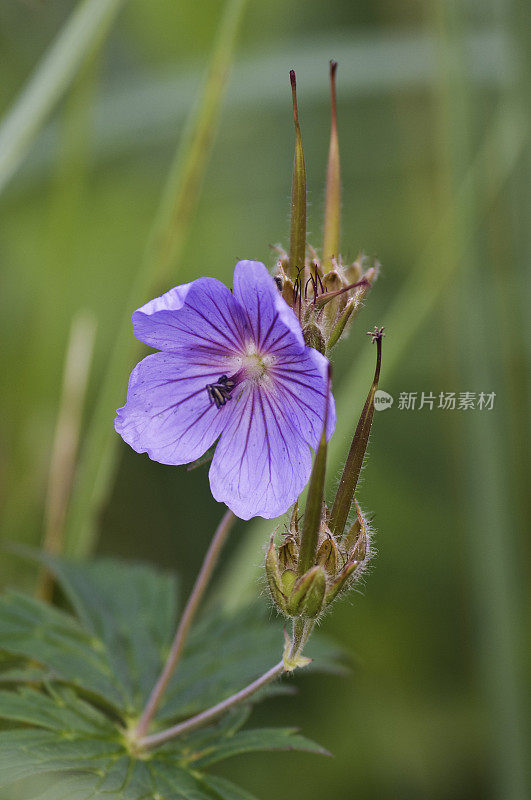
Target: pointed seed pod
point(349, 479)
point(297, 247)
point(333, 184)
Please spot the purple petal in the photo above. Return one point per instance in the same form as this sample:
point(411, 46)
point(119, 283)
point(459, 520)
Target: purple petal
point(168, 413)
point(261, 464)
point(272, 322)
point(202, 315)
point(300, 385)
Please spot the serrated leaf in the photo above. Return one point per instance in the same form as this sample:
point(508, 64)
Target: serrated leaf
point(63, 712)
point(245, 646)
point(36, 752)
point(129, 780)
point(56, 640)
point(25, 675)
point(251, 741)
point(130, 607)
point(92, 675)
point(225, 790)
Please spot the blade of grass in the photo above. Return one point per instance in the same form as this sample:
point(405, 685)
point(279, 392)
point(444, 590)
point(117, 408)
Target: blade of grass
point(176, 211)
point(506, 138)
point(485, 464)
point(76, 371)
point(141, 112)
point(85, 29)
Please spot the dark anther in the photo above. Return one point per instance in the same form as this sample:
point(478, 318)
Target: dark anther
point(221, 391)
point(278, 281)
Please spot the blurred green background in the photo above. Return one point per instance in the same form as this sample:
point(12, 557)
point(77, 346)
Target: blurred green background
point(436, 166)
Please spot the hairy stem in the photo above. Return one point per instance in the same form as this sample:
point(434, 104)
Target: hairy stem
point(190, 610)
point(212, 713)
point(302, 629)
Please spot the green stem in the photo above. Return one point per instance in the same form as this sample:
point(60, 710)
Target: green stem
point(205, 717)
point(189, 613)
point(302, 629)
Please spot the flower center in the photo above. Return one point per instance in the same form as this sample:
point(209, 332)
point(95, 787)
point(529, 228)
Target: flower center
point(256, 365)
point(252, 365)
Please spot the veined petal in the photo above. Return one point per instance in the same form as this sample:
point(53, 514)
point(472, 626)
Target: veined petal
point(273, 324)
point(261, 463)
point(168, 413)
point(300, 385)
point(202, 315)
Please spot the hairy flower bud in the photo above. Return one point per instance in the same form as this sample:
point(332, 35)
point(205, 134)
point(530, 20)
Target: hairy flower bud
point(313, 337)
point(288, 553)
point(274, 577)
point(338, 565)
point(306, 598)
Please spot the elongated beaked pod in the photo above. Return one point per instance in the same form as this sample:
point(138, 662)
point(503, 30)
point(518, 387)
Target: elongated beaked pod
point(325, 294)
point(351, 472)
point(297, 246)
point(333, 185)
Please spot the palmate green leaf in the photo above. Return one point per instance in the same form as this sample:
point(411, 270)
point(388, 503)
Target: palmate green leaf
point(129, 779)
point(250, 741)
point(80, 682)
point(131, 607)
point(57, 641)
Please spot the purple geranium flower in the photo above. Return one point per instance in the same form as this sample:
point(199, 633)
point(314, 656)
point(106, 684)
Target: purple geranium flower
point(233, 367)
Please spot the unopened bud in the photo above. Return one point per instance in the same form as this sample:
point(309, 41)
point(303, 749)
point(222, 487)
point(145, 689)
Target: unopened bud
point(274, 578)
point(340, 582)
point(289, 578)
point(314, 338)
point(306, 598)
point(327, 555)
point(355, 541)
point(288, 553)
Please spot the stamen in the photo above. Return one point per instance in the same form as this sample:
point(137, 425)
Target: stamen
point(327, 296)
point(297, 292)
point(220, 392)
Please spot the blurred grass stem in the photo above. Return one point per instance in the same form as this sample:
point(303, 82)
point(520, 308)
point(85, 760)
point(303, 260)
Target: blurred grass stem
point(485, 480)
point(190, 610)
point(66, 439)
point(86, 28)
